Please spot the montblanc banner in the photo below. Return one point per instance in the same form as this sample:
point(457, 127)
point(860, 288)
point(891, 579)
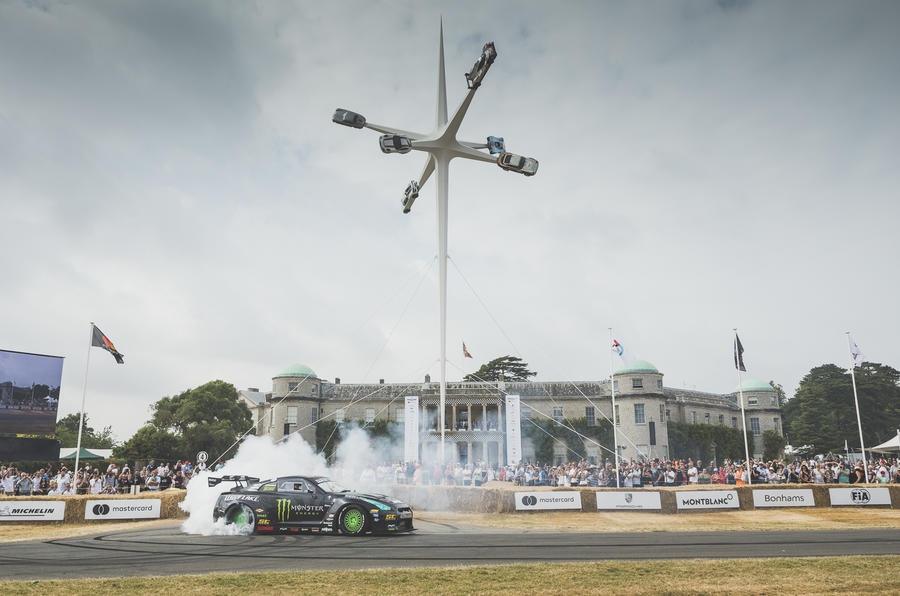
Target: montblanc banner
point(629, 500)
point(707, 499)
point(411, 429)
point(859, 496)
point(547, 500)
point(32, 510)
point(122, 509)
point(801, 497)
point(514, 432)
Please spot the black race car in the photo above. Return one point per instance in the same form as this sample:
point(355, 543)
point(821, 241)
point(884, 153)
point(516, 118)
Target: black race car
point(295, 504)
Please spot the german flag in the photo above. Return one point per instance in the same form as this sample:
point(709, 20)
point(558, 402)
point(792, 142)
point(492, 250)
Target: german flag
point(101, 341)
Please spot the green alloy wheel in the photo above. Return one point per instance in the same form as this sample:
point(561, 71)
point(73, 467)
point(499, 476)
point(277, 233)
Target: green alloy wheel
point(241, 516)
point(353, 521)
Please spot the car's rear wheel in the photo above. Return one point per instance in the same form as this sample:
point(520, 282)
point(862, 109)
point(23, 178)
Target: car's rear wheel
point(352, 521)
point(242, 517)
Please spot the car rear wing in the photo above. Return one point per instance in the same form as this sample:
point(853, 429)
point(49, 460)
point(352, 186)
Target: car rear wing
point(239, 480)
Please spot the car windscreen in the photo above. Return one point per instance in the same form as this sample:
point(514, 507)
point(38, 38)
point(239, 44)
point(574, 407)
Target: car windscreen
point(330, 486)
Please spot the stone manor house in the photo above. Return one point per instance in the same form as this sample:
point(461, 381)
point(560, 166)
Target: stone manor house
point(474, 417)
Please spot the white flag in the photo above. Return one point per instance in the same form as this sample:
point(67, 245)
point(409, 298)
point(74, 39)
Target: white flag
point(624, 354)
point(855, 352)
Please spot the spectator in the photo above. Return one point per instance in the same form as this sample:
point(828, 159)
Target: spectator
point(24, 485)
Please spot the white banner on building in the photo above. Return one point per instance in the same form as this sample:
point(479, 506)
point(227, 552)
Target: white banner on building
point(801, 497)
point(122, 509)
point(32, 510)
point(545, 500)
point(411, 429)
point(629, 500)
point(513, 431)
point(707, 499)
point(859, 496)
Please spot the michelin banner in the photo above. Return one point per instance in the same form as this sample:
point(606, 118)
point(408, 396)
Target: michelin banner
point(411, 429)
point(513, 431)
point(859, 496)
point(707, 499)
point(548, 500)
point(629, 500)
point(32, 510)
point(802, 497)
point(122, 509)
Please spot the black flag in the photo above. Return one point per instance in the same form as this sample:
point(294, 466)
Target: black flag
point(738, 354)
point(101, 341)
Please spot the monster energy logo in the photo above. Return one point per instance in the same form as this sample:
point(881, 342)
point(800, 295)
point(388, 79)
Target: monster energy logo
point(284, 510)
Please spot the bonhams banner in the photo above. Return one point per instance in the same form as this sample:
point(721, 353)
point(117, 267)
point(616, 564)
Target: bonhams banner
point(122, 509)
point(859, 496)
point(628, 500)
point(514, 432)
point(32, 510)
point(801, 497)
point(411, 429)
point(707, 499)
point(545, 500)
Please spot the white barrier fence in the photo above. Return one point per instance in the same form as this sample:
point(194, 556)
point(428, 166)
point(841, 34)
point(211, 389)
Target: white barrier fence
point(649, 500)
point(800, 497)
point(32, 510)
point(122, 509)
point(548, 500)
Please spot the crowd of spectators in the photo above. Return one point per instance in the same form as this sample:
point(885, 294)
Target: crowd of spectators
point(92, 479)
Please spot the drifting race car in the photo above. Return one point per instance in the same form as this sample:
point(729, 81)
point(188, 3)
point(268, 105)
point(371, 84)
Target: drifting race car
point(294, 504)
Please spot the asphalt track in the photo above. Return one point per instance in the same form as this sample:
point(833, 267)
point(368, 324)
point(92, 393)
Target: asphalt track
point(166, 550)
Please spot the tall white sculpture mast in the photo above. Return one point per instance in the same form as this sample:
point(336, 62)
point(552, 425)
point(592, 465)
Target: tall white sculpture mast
point(442, 146)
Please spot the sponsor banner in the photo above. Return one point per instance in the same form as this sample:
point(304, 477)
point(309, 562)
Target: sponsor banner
point(628, 500)
point(859, 496)
point(411, 429)
point(513, 431)
point(801, 497)
point(545, 500)
point(122, 509)
point(707, 499)
point(32, 510)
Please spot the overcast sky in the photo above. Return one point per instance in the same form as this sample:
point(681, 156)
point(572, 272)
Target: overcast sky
point(170, 171)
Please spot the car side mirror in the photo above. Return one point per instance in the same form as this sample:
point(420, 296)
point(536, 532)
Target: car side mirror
point(310, 491)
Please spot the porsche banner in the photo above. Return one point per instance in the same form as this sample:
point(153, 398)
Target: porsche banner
point(411, 429)
point(513, 431)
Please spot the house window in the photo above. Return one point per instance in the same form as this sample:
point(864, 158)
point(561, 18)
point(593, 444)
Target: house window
point(616, 385)
point(590, 416)
point(668, 415)
point(659, 383)
point(639, 413)
point(557, 414)
point(273, 386)
point(314, 416)
point(526, 413)
point(774, 399)
point(706, 418)
point(733, 422)
point(617, 414)
point(370, 415)
point(693, 417)
point(559, 453)
point(399, 415)
point(292, 385)
point(754, 426)
point(662, 413)
point(312, 390)
point(722, 419)
point(637, 383)
point(775, 421)
point(339, 415)
point(751, 400)
point(291, 417)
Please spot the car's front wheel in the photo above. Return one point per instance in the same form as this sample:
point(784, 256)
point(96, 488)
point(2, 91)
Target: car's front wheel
point(242, 517)
point(352, 521)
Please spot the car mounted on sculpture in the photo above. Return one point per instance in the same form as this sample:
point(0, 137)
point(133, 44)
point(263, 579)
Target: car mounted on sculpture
point(496, 145)
point(517, 163)
point(410, 195)
point(481, 66)
point(395, 144)
point(348, 118)
point(308, 504)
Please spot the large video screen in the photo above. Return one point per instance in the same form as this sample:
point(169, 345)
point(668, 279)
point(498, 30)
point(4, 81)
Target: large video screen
point(29, 393)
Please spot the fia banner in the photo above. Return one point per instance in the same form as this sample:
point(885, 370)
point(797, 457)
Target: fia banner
point(547, 500)
point(629, 500)
point(32, 510)
point(859, 496)
point(801, 497)
point(411, 429)
point(122, 509)
point(513, 432)
point(707, 499)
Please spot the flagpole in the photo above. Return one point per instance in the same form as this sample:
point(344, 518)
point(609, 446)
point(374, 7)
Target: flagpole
point(743, 416)
point(612, 392)
point(862, 447)
point(87, 367)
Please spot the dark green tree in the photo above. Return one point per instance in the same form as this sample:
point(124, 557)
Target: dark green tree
point(149, 442)
point(779, 392)
point(695, 440)
point(822, 413)
point(773, 445)
point(510, 367)
point(67, 433)
point(544, 433)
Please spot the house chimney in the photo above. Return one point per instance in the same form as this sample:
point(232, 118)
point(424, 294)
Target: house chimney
point(381, 381)
point(427, 378)
point(337, 380)
point(253, 389)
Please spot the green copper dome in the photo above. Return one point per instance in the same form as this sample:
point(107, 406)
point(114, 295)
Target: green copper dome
point(637, 366)
point(297, 370)
point(753, 385)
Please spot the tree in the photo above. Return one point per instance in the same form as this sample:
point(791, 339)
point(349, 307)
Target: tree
point(510, 367)
point(67, 433)
point(779, 392)
point(822, 412)
point(695, 440)
point(208, 418)
point(544, 433)
point(773, 445)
